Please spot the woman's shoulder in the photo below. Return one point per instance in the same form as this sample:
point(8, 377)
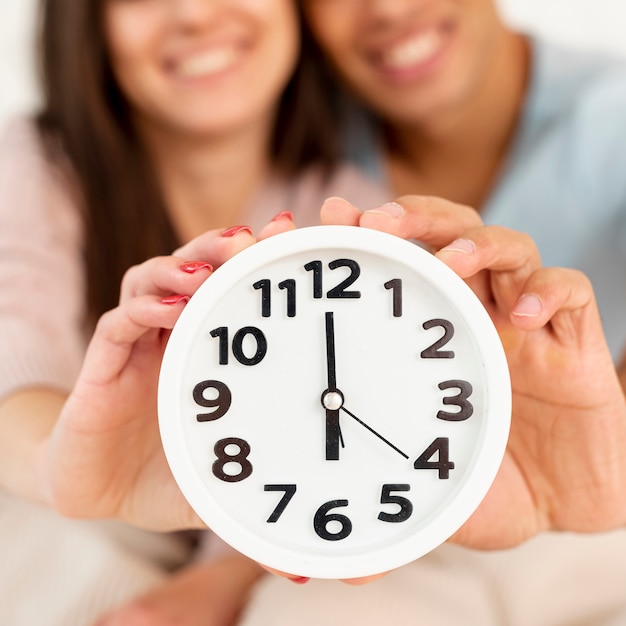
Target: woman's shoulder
point(35, 189)
point(41, 267)
point(19, 139)
point(23, 151)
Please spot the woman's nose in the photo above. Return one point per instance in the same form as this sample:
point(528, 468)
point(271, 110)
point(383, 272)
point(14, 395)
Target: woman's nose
point(194, 12)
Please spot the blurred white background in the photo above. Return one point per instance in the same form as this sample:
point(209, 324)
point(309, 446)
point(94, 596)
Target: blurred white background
point(597, 24)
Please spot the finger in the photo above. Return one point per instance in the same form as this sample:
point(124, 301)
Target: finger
point(621, 371)
point(118, 331)
point(510, 258)
point(215, 246)
point(431, 220)
point(299, 580)
point(363, 580)
point(281, 223)
point(164, 276)
point(337, 211)
point(564, 298)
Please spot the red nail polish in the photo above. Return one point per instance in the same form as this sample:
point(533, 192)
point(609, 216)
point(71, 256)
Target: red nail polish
point(234, 230)
point(299, 580)
point(175, 299)
point(193, 266)
point(288, 215)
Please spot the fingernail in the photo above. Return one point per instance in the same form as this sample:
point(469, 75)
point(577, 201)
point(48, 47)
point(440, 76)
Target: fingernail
point(286, 215)
point(529, 305)
point(299, 580)
point(333, 198)
point(465, 246)
point(193, 266)
point(175, 299)
point(234, 230)
point(393, 209)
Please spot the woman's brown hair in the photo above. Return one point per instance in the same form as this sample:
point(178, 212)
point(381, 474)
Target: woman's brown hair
point(87, 118)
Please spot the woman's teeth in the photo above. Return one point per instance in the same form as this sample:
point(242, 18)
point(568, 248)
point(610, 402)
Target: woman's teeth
point(206, 63)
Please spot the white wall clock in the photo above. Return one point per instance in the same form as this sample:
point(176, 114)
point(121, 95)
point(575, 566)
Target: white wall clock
point(334, 402)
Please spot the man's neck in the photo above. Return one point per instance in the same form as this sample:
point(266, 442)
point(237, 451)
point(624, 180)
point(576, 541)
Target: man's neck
point(459, 154)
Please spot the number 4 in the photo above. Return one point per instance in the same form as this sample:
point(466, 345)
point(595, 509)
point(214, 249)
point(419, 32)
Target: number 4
point(441, 445)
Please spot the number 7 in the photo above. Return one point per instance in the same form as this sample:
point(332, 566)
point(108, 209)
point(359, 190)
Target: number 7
point(284, 501)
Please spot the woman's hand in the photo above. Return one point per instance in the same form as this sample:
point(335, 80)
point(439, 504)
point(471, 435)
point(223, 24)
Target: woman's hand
point(104, 456)
point(565, 464)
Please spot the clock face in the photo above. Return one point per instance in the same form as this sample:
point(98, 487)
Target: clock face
point(334, 402)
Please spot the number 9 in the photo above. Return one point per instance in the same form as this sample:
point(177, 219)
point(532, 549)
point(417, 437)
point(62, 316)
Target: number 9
point(221, 402)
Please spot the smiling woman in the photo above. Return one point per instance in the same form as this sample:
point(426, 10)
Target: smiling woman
point(160, 120)
point(122, 85)
point(222, 79)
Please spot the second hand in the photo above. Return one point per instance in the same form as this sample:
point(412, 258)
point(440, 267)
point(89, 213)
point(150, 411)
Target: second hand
point(354, 417)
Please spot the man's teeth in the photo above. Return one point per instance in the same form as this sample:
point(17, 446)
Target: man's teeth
point(210, 62)
point(413, 51)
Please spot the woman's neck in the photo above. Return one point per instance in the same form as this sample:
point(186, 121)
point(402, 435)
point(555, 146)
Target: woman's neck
point(209, 183)
point(459, 154)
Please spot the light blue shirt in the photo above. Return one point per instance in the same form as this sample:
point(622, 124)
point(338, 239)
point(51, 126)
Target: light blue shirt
point(564, 182)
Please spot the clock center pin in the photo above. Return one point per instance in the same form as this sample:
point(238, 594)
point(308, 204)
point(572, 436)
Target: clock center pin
point(332, 400)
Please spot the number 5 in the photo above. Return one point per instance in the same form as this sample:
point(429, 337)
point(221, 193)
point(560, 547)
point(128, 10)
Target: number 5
point(406, 507)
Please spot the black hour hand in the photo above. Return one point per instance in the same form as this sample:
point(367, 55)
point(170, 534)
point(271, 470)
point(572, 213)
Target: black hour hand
point(333, 402)
point(333, 435)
